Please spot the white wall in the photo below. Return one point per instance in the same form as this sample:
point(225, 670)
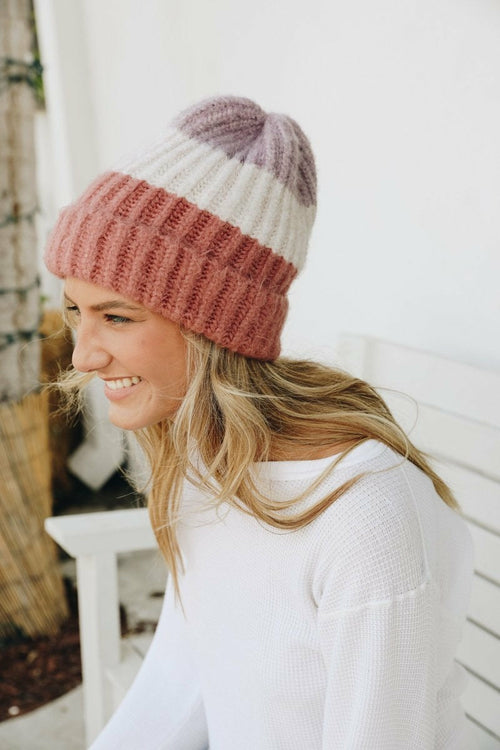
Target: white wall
point(401, 102)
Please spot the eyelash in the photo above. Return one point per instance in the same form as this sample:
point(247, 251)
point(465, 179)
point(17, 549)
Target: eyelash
point(72, 310)
point(116, 319)
point(113, 319)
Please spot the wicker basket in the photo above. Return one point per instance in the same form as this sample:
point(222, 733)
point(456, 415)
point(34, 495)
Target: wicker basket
point(32, 597)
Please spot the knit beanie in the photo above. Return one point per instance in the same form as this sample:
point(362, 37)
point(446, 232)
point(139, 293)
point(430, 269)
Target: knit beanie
point(208, 226)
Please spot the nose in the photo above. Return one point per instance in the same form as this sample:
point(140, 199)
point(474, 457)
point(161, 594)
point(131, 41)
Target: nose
point(88, 353)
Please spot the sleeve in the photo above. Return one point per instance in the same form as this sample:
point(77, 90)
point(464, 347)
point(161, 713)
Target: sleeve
point(163, 709)
point(381, 673)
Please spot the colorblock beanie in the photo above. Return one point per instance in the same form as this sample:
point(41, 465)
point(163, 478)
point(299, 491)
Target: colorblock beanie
point(208, 226)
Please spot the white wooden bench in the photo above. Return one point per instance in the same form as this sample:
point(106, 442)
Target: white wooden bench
point(109, 663)
point(456, 418)
point(458, 422)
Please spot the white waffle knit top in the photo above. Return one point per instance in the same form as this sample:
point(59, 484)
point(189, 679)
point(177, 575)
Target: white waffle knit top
point(337, 636)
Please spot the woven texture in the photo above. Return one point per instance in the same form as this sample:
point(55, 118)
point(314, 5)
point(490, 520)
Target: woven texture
point(31, 591)
point(207, 226)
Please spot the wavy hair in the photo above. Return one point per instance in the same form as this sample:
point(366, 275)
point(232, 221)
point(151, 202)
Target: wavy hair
point(238, 411)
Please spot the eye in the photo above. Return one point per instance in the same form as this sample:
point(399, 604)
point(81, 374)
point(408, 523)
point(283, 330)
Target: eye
point(116, 319)
point(71, 312)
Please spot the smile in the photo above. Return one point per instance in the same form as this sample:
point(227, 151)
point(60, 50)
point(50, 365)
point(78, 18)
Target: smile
point(115, 385)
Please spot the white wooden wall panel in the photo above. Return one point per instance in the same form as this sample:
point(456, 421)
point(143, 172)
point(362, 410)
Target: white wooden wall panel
point(485, 604)
point(479, 496)
point(453, 386)
point(482, 739)
point(481, 701)
point(468, 443)
point(479, 652)
point(487, 552)
point(452, 411)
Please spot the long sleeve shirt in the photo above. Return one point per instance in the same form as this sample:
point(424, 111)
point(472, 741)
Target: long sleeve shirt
point(336, 636)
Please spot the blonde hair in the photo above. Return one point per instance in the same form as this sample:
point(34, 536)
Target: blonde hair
point(238, 411)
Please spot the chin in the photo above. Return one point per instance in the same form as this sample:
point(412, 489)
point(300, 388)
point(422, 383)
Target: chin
point(136, 422)
point(126, 421)
point(124, 424)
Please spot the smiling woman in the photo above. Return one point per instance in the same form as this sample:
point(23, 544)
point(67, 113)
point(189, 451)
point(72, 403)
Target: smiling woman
point(138, 354)
point(321, 564)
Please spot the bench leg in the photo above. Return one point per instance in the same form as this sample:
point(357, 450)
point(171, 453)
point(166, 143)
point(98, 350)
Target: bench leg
point(98, 606)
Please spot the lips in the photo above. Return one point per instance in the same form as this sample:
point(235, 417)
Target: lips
point(119, 389)
point(118, 383)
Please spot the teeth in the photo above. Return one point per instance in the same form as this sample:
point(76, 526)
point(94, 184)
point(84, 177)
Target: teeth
point(122, 383)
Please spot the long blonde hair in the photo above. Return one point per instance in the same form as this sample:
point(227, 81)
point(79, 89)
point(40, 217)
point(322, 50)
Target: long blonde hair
point(238, 411)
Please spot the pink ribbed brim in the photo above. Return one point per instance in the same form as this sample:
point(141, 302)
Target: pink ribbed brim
point(182, 262)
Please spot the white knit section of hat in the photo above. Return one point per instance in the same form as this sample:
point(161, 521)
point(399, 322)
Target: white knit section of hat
point(244, 195)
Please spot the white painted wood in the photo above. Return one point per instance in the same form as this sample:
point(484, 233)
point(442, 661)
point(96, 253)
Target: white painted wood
point(95, 539)
point(452, 411)
point(486, 552)
point(97, 584)
point(121, 675)
point(109, 531)
point(464, 441)
point(451, 437)
point(479, 496)
point(429, 378)
point(480, 739)
point(140, 642)
point(479, 651)
point(481, 701)
point(485, 604)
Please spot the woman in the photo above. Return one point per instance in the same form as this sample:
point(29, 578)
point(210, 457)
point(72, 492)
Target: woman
point(320, 573)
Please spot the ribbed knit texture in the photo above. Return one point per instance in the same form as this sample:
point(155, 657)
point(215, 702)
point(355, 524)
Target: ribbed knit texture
point(337, 636)
point(208, 226)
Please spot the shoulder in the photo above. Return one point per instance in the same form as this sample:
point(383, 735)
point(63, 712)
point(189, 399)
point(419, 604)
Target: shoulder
point(372, 544)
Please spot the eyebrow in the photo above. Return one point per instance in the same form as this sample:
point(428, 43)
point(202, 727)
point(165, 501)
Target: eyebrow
point(112, 304)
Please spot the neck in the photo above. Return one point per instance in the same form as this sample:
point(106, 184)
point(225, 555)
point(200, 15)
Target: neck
point(292, 452)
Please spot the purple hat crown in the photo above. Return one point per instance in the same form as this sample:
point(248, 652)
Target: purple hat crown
point(243, 130)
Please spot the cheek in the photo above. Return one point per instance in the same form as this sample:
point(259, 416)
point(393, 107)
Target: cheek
point(168, 365)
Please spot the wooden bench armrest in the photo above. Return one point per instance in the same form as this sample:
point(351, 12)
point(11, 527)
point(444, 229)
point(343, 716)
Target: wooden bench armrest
point(95, 539)
point(109, 531)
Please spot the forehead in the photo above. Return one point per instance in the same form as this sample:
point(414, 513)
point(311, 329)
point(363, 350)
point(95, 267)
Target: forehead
point(85, 293)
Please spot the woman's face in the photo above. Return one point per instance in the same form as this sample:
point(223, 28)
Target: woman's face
point(139, 355)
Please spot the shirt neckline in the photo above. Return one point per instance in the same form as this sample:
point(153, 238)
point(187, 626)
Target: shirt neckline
point(314, 467)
